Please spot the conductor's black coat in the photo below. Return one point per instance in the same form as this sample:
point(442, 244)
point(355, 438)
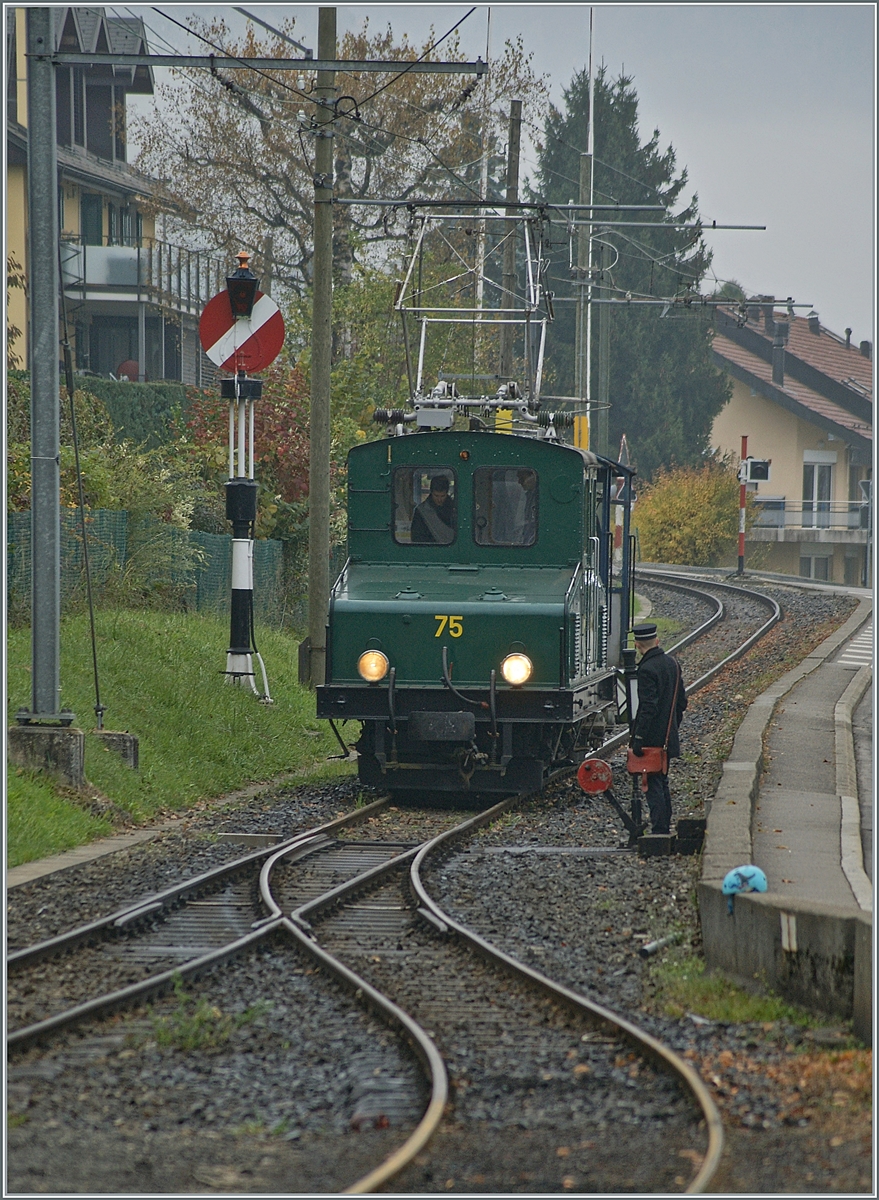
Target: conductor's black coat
point(657, 675)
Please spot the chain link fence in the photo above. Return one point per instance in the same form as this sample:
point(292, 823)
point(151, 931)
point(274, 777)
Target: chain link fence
point(152, 564)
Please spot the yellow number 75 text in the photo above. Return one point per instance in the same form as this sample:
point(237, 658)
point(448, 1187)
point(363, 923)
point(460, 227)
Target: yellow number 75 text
point(455, 626)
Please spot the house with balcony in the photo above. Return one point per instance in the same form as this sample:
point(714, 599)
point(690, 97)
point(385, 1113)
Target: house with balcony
point(132, 300)
point(803, 397)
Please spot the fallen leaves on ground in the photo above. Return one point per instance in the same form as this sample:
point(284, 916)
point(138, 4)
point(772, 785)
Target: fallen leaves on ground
point(805, 1084)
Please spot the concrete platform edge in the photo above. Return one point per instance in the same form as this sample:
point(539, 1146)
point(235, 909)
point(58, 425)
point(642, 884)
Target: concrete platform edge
point(813, 954)
point(851, 849)
point(16, 876)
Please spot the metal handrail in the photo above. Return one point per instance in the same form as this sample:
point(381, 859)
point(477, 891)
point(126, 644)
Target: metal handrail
point(812, 514)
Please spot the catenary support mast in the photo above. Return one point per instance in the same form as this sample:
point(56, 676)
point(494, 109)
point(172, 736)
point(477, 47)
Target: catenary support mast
point(508, 295)
point(321, 357)
point(45, 438)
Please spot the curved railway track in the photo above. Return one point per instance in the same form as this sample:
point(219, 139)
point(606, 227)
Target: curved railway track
point(364, 902)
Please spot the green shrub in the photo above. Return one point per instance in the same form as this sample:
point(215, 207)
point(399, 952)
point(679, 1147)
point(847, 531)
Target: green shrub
point(140, 412)
point(690, 515)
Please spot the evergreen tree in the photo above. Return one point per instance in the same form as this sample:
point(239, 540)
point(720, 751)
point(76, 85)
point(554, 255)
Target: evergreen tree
point(664, 388)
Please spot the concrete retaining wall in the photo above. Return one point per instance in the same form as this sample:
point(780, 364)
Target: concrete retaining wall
point(806, 952)
point(816, 955)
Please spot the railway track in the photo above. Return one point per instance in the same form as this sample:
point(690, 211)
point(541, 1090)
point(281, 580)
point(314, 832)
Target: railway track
point(740, 617)
point(362, 902)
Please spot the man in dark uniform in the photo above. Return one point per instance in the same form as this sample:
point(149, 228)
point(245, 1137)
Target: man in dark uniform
point(434, 518)
point(659, 676)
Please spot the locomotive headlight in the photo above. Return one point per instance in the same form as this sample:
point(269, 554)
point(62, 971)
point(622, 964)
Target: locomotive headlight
point(516, 669)
point(372, 665)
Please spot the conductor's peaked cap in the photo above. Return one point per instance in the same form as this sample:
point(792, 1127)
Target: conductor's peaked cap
point(644, 633)
point(439, 483)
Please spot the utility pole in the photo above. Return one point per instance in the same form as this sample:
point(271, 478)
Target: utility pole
point(45, 444)
point(483, 173)
point(582, 389)
point(42, 738)
point(602, 414)
point(743, 500)
point(505, 367)
point(583, 338)
point(321, 356)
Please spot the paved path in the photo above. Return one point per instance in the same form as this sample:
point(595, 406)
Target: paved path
point(798, 835)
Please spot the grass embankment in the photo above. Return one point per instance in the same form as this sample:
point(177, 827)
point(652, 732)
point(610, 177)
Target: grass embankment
point(161, 679)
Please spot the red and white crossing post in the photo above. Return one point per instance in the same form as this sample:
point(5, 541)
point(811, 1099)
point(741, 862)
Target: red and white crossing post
point(241, 329)
point(743, 493)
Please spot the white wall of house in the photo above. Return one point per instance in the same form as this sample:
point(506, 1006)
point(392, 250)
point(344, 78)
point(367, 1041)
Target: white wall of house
point(787, 439)
point(809, 543)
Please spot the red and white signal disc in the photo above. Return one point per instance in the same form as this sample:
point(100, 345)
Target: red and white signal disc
point(243, 343)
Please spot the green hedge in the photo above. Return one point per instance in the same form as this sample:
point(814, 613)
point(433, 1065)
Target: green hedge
point(142, 412)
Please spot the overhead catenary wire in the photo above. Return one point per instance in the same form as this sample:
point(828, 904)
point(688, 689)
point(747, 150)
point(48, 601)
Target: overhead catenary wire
point(337, 116)
point(249, 66)
point(244, 64)
point(378, 129)
point(624, 174)
point(422, 56)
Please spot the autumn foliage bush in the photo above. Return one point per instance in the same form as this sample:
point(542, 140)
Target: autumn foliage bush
point(280, 447)
point(281, 455)
point(690, 515)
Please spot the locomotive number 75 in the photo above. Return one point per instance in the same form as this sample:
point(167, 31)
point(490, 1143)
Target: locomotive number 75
point(455, 624)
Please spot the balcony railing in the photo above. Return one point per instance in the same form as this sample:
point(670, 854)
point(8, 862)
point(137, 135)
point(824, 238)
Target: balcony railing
point(815, 514)
point(172, 277)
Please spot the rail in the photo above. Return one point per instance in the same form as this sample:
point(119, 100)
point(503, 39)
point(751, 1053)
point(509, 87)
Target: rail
point(438, 918)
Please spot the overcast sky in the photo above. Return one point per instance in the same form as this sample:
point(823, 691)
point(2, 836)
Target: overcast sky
point(770, 108)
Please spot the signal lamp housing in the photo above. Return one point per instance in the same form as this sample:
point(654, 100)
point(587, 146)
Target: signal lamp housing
point(517, 669)
point(372, 665)
point(241, 286)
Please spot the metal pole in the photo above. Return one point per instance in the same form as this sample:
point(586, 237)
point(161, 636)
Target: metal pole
point(581, 340)
point(508, 297)
point(44, 343)
point(483, 172)
point(321, 357)
point(590, 148)
point(602, 415)
point(868, 550)
point(742, 504)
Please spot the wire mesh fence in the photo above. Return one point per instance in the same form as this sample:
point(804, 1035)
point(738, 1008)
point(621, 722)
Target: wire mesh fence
point(147, 562)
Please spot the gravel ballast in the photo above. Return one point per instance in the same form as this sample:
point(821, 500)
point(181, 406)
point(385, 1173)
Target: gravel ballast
point(130, 1115)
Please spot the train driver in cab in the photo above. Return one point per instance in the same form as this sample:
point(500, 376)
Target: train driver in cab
point(435, 518)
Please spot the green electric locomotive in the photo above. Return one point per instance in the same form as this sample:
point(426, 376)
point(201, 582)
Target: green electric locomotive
point(476, 628)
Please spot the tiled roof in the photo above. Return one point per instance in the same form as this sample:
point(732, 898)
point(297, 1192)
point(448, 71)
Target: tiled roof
point(827, 352)
point(806, 397)
point(824, 352)
point(89, 20)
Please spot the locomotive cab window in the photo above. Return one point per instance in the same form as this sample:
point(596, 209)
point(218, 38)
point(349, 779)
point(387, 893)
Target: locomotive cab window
point(425, 506)
point(505, 503)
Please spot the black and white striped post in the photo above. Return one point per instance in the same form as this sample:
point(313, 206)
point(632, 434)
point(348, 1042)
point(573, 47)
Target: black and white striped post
point(241, 493)
point(241, 329)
